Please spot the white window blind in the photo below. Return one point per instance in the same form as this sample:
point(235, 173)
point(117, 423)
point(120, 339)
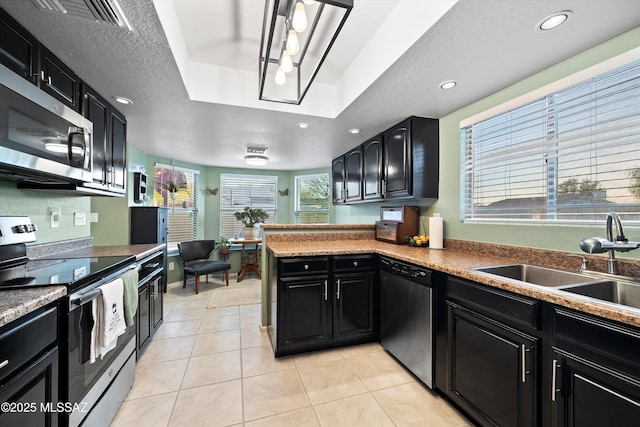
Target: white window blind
point(573, 155)
point(240, 191)
point(312, 199)
point(183, 213)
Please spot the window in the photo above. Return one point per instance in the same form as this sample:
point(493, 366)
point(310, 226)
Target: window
point(182, 217)
point(572, 155)
point(312, 199)
point(241, 191)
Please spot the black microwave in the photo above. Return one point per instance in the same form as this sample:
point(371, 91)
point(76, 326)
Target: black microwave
point(41, 139)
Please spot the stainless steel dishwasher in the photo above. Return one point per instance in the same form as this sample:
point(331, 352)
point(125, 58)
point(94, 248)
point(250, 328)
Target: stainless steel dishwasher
point(406, 311)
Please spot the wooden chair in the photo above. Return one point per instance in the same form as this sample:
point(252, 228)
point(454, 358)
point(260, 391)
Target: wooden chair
point(196, 262)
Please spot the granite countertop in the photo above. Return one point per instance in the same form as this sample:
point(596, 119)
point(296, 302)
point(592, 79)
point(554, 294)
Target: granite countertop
point(458, 263)
point(139, 251)
point(17, 303)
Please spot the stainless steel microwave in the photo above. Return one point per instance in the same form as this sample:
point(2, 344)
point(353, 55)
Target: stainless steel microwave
point(41, 139)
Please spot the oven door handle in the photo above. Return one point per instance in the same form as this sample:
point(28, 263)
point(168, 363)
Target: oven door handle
point(85, 298)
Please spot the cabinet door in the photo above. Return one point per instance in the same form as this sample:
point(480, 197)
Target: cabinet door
point(303, 318)
point(589, 394)
point(372, 169)
point(143, 317)
point(58, 80)
point(18, 49)
point(492, 369)
point(156, 304)
point(353, 175)
point(36, 385)
point(96, 109)
point(397, 162)
point(353, 313)
point(337, 178)
point(118, 150)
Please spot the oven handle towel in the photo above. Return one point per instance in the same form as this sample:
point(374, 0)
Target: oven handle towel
point(130, 279)
point(109, 318)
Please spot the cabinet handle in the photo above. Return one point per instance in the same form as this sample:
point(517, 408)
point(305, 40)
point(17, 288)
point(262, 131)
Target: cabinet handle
point(325, 290)
point(42, 76)
point(306, 266)
point(338, 289)
point(355, 263)
point(3, 364)
point(554, 376)
point(523, 353)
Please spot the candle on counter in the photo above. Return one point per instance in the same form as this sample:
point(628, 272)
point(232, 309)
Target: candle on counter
point(436, 231)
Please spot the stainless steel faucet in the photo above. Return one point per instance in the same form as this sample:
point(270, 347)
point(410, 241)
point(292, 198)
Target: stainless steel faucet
point(595, 245)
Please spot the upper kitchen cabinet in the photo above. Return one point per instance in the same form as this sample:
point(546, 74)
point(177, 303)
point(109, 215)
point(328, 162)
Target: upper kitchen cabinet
point(18, 48)
point(347, 177)
point(411, 159)
point(401, 163)
point(58, 80)
point(109, 141)
point(372, 169)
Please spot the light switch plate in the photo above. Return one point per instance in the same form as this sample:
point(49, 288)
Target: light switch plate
point(93, 217)
point(79, 218)
point(55, 218)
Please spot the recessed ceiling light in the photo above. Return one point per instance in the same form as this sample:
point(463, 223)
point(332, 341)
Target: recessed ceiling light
point(354, 131)
point(554, 21)
point(303, 125)
point(448, 84)
point(123, 100)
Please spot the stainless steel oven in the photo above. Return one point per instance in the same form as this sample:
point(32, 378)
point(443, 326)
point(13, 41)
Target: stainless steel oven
point(99, 386)
point(41, 139)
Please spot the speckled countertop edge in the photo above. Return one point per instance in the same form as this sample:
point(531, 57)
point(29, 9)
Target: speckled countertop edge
point(460, 264)
point(15, 304)
point(139, 251)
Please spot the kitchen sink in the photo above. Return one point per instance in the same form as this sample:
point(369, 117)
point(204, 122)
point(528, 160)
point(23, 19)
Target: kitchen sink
point(618, 292)
point(540, 276)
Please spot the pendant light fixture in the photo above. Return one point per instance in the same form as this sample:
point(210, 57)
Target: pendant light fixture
point(296, 38)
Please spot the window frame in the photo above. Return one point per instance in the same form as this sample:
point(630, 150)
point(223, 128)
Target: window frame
point(467, 187)
point(297, 210)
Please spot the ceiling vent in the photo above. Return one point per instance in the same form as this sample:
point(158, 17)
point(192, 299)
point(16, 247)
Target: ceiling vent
point(104, 11)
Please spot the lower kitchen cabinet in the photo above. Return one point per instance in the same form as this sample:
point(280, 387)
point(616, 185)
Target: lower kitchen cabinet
point(29, 370)
point(493, 369)
point(322, 302)
point(492, 357)
point(149, 315)
point(595, 372)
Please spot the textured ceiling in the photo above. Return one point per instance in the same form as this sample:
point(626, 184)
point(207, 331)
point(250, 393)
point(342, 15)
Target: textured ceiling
point(485, 45)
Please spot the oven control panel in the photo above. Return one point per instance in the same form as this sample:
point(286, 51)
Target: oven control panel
point(16, 229)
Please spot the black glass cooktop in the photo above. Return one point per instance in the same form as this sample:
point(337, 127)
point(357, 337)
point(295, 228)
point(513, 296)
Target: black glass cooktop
point(71, 272)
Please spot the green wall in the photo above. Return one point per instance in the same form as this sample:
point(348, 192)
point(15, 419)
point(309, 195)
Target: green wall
point(38, 204)
point(558, 237)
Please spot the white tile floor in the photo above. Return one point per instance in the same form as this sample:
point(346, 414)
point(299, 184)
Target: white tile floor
point(215, 367)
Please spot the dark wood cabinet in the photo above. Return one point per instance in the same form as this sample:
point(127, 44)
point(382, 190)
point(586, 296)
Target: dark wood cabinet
point(492, 369)
point(18, 49)
point(492, 353)
point(337, 178)
point(109, 142)
point(323, 302)
point(353, 175)
point(372, 169)
point(29, 374)
point(58, 80)
point(400, 163)
point(594, 371)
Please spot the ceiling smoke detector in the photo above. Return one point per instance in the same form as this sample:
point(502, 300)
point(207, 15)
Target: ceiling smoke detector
point(103, 11)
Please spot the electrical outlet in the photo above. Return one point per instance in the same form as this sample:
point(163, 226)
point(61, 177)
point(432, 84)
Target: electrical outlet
point(93, 217)
point(54, 213)
point(79, 218)
point(172, 265)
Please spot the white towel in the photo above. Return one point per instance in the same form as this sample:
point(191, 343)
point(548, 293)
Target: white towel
point(109, 321)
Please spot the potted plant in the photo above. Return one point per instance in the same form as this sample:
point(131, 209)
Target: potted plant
point(172, 188)
point(222, 245)
point(250, 217)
